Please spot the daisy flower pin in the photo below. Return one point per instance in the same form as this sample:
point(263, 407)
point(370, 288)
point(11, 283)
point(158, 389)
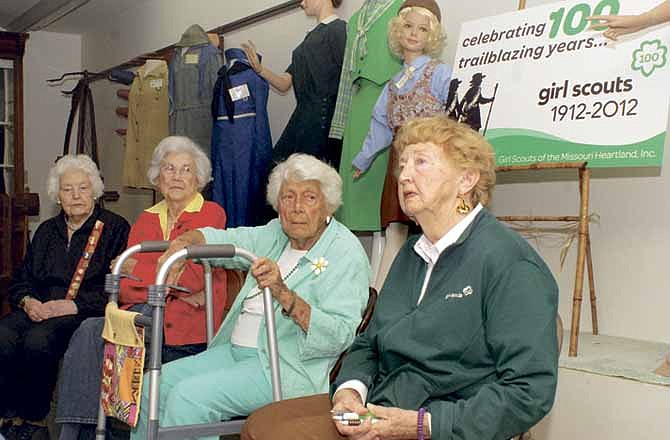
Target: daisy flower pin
point(319, 265)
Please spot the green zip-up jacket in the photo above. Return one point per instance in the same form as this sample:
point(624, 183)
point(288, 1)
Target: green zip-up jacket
point(480, 351)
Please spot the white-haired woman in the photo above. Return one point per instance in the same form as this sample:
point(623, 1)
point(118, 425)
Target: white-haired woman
point(59, 284)
point(179, 169)
point(416, 36)
point(318, 274)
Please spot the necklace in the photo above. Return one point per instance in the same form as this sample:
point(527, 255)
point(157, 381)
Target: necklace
point(74, 228)
point(258, 291)
point(71, 227)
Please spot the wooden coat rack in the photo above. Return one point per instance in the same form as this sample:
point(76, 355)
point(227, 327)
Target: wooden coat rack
point(165, 52)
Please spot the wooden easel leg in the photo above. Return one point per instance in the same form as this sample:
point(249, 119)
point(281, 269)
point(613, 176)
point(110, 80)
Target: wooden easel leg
point(592, 286)
point(581, 254)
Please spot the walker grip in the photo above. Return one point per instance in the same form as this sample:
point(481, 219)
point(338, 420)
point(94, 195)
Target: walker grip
point(211, 251)
point(154, 246)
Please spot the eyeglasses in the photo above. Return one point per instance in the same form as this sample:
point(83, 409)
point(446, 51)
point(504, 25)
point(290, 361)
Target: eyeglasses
point(170, 170)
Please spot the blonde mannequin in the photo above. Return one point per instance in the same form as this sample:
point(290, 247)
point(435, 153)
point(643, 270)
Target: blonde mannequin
point(415, 36)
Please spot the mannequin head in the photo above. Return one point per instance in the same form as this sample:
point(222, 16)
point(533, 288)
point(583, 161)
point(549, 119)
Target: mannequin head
point(432, 35)
point(319, 8)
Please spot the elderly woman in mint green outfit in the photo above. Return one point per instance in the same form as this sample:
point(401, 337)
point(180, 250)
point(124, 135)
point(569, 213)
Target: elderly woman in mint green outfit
point(318, 274)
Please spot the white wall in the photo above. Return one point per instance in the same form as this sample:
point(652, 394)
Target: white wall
point(48, 55)
point(629, 245)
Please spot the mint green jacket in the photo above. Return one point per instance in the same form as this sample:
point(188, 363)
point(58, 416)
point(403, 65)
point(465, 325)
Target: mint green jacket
point(337, 297)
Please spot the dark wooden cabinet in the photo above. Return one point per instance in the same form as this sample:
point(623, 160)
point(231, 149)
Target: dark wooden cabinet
point(15, 203)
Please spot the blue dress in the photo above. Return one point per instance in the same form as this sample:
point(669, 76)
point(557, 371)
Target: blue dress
point(241, 143)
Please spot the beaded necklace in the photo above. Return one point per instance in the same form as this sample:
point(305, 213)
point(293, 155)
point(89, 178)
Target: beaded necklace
point(73, 228)
point(258, 291)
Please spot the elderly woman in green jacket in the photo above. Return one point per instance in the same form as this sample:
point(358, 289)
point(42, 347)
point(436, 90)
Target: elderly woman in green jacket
point(462, 343)
point(318, 274)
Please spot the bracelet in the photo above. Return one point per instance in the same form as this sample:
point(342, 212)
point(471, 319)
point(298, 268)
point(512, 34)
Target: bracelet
point(288, 312)
point(419, 424)
point(22, 302)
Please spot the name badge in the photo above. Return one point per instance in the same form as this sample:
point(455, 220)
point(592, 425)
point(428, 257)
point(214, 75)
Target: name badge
point(192, 58)
point(239, 92)
point(156, 84)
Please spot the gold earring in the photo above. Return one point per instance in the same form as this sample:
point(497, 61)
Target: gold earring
point(463, 207)
point(57, 201)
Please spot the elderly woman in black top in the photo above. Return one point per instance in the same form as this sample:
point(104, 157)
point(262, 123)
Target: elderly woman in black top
point(59, 284)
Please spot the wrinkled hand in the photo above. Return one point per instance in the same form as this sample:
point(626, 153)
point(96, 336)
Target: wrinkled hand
point(60, 307)
point(392, 424)
point(356, 174)
point(177, 267)
point(196, 300)
point(267, 274)
point(617, 25)
point(127, 267)
point(35, 310)
point(349, 400)
point(249, 49)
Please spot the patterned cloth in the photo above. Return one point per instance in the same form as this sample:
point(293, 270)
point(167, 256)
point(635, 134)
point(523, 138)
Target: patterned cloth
point(403, 87)
point(420, 101)
point(122, 374)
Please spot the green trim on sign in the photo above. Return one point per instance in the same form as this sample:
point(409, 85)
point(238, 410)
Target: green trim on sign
point(523, 147)
point(501, 132)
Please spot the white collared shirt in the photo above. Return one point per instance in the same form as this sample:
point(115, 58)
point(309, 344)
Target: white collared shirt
point(331, 18)
point(429, 253)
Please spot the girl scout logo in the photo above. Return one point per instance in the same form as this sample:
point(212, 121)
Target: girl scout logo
point(467, 291)
point(650, 56)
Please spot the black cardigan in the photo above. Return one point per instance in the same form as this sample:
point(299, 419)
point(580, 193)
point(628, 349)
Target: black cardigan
point(49, 264)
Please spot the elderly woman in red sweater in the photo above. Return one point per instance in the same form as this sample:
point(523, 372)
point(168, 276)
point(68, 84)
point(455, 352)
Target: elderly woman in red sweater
point(179, 169)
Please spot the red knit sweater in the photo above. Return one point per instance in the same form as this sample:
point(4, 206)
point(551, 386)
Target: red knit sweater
point(184, 324)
